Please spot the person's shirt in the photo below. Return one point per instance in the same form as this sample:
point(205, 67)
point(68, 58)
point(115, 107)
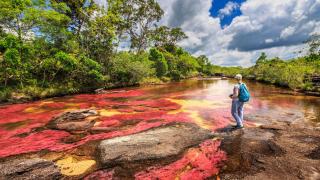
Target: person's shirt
point(236, 90)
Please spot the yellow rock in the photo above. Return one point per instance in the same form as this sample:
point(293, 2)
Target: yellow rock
point(107, 113)
point(73, 167)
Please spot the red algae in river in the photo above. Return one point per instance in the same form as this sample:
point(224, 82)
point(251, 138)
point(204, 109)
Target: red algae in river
point(197, 163)
point(101, 175)
point(24, 140)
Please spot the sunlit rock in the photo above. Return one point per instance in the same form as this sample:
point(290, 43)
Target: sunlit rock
point(73, 167)
point(79, 120)
point(29, 169)
point(153, 144)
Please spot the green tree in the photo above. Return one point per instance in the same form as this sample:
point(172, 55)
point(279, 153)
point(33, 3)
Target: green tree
point(11, 64)
point(129, 69)
point(98, 39)
point(314, 48)
point(160, 62)
point(187, 64)
point(262, 58)
point(20, 17)
point(89, 73)
point(79, 11)
point(204, 64)
point(61, 66)
point(139, 21)
point(165, 36)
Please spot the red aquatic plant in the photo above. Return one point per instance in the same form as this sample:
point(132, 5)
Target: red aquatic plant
point(197, 163)
point(101, 175)
point(48, 139)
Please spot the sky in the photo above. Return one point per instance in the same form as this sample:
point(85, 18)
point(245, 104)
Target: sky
point(235, 32)
point(225, 10)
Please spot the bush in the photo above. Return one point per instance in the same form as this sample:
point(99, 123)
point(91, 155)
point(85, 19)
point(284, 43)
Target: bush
point(5, 94)
point(160, 63)
point(151, 80)
point(90, 73)
point(130, 69)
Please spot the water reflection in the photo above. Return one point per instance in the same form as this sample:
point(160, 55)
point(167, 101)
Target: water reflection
point(269, 103)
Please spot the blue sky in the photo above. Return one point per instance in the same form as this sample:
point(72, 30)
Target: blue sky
point(217, 5)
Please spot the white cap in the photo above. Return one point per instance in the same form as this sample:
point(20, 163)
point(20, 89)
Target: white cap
point(238, 76)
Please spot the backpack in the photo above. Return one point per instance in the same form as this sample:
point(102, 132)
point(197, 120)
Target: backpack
point(244, 94)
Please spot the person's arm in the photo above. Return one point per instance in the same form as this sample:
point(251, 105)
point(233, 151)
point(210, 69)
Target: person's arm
point(235, 93)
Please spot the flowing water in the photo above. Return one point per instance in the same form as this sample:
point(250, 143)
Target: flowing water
point(132, 110)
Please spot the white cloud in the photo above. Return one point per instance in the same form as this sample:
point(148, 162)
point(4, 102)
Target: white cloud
point(269, 40)
point(228, 9)
point(287, 22)
point(289, 31)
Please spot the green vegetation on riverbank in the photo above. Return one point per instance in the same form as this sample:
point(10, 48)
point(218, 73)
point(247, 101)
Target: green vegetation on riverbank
point(296, 74)
point(58, 47)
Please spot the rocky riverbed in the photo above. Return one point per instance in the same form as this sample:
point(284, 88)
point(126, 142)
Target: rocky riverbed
point(273, 151)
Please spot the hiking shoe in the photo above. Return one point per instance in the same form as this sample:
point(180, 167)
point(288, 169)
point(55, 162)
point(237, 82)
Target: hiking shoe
point(238, 127)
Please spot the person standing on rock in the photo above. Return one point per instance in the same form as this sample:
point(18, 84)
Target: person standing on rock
point(239, 97)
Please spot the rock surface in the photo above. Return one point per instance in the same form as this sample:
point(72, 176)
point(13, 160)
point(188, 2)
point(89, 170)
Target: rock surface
point(277, 151)
point(74, 120)
point(29, 169)
point(153, 144)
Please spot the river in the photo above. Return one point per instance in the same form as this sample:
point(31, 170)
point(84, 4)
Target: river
point(131, 110)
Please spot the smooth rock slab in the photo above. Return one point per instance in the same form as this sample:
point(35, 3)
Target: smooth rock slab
point(157, 143)
point(73, 120)
point(29, 169)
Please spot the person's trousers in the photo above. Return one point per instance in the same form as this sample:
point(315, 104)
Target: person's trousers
point(237, 111)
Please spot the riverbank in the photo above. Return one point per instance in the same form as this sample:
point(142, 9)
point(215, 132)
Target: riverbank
point(290, 91)
point(29, 94)
point(300, 74)
point(34, 93)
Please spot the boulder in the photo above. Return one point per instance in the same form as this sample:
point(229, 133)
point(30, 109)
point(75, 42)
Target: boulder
point(74, 120)
point(100, 91)
point(29, 169)
point(273, 127)
point(161, 142)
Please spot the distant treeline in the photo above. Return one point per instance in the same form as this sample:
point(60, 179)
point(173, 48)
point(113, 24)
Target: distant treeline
point(299, 74)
